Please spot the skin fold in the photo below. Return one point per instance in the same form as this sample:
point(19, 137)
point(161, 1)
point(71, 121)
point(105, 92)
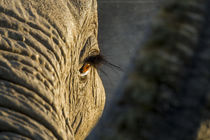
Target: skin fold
point(42, 92)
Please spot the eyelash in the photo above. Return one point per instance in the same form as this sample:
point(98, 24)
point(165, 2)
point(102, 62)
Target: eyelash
point(96, 61)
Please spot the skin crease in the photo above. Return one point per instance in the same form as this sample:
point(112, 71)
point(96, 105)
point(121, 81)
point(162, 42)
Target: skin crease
point(63, 105)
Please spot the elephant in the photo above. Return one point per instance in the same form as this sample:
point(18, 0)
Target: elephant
point(49, 56)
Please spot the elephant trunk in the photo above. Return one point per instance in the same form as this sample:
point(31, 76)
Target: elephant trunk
point(31, 58)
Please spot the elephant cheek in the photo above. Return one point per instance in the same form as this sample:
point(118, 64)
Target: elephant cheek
point(94, 107)
point(99, 103)
point(100, 98)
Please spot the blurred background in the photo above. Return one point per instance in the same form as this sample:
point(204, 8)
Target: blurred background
point(122, 26)
point(165, 96)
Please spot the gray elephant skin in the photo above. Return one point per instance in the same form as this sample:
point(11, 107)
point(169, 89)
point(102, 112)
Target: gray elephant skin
point(43, 46)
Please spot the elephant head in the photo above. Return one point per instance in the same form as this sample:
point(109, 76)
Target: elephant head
point(49, 85)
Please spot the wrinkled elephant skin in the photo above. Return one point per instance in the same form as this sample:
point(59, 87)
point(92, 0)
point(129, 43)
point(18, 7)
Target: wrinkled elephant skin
point(43, 45)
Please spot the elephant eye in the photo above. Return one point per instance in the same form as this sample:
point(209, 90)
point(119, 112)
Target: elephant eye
point(95, 61)
point(85, 69)
point(91, 61)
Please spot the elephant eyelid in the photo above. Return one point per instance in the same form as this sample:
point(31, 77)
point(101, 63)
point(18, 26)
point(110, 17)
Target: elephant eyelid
point(99, 60)
point(95, 60)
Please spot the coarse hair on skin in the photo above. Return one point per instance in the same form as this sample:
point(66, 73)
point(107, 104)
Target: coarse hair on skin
point(98, 60)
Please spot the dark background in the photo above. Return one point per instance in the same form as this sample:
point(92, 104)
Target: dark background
point(122, 26)
point(161, 98)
